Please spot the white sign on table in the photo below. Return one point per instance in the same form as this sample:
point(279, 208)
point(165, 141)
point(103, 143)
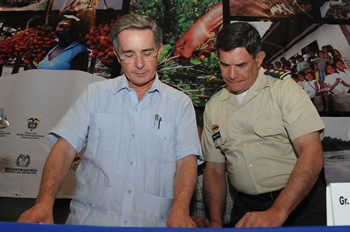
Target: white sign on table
point(338, 204)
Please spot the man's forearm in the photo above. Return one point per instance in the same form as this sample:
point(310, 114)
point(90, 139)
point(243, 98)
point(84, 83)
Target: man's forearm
point(302, 179)
point(300, 183)
point(55, 170)
point(185, 181)
point(215, 193)
point(184, 185)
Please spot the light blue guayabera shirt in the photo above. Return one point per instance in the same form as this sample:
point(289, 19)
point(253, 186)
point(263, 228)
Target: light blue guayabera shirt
point(63, 60)
point(127, 172)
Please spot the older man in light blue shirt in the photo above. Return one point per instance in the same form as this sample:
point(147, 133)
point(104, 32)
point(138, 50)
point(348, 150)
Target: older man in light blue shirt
point(139, 167)
point(129, 164)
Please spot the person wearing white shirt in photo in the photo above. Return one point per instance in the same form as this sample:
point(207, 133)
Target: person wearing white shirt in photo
point(311, 86)
point(345, 75)
point(332, 80)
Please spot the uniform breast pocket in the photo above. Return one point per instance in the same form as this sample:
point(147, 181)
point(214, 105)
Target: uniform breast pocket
point(102, 133)
point(268, 128)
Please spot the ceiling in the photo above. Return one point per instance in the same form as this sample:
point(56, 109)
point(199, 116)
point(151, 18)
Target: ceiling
point(283, 35)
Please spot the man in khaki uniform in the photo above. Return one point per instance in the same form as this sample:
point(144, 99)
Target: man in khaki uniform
point(265, 132)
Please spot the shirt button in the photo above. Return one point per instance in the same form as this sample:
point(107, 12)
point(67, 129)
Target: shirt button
point(129, 191)
point(133, 135)
point(125, 222)
point(245, 144)
point(241, 128)
point(131, 163)
point(250, 165)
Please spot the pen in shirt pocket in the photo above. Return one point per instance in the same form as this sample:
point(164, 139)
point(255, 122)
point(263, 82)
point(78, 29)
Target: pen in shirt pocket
point(160, 119)
point(157, 121)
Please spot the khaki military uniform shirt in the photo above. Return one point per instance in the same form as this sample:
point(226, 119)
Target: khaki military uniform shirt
point(255, 138)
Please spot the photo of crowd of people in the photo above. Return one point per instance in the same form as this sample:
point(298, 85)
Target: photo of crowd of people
point(323, 74)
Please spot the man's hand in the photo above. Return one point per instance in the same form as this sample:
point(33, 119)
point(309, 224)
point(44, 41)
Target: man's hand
point(201, 222)
point(180, 218)
point(39, 213)
point(214, 224)
point(268, 218)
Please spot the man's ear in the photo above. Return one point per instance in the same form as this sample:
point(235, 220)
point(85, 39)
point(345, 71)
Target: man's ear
point(116, 54)
point(217, 52)
point(159, 50)
point(260, 58)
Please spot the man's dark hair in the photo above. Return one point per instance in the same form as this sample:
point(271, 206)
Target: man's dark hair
point(239, 34)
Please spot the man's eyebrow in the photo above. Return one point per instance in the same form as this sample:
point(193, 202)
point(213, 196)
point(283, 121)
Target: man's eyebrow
point(143, 50)
point(148, 50)
point(223, 63)
point(240, 64)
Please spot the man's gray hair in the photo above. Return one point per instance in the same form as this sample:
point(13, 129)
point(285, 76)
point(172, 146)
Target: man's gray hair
point(136, 22)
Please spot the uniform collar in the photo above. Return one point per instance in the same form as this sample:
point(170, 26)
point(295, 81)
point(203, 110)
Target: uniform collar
point(260, 83)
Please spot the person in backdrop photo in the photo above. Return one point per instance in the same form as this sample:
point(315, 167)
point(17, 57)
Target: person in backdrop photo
point(301, 64)
point(311, 86)
point(320, 65)
point(301, 79)
point(265, 133)
point(332, 80)
point(69, 53)
point(140, 164)
point(345, 75)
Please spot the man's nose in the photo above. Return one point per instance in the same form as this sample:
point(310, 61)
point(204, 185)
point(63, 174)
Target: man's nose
point(232, 71)
point(139, 62)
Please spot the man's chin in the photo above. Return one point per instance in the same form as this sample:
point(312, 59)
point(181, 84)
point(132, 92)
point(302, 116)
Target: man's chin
point(141, 81)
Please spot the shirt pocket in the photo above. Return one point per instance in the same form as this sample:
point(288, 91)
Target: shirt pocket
point(160, 161)
point(156, 209)
point(102, 135)
point(94, 197)
point(269, 127)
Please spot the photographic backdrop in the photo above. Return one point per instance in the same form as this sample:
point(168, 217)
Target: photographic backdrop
point(188, 62)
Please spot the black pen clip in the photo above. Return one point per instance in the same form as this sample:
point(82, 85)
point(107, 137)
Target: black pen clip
point(160, 119)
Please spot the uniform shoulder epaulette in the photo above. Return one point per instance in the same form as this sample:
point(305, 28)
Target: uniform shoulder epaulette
point(280, 74)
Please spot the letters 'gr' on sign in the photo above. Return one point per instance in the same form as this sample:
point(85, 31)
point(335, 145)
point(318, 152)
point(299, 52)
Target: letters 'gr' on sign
point(338, 204)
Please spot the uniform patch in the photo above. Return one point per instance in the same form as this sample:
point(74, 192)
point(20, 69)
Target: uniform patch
point(215, 127)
